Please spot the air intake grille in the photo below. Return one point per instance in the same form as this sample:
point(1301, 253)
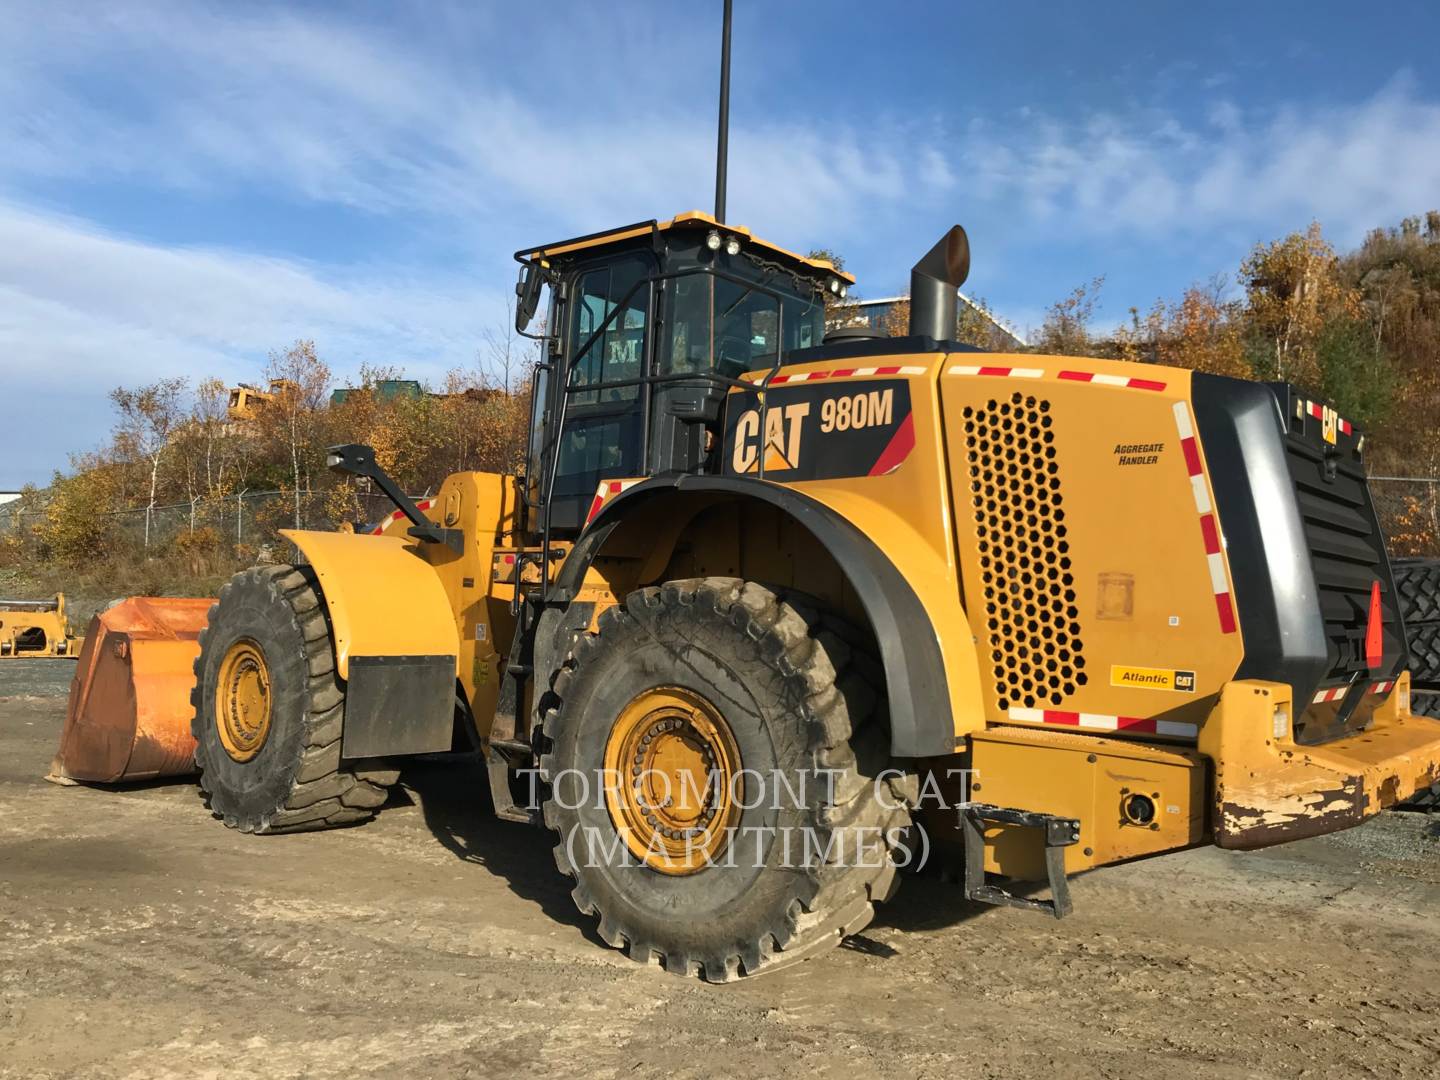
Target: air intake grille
point(1029, 592)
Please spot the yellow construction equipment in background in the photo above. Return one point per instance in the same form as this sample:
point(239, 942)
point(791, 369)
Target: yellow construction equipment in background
point(35, 628)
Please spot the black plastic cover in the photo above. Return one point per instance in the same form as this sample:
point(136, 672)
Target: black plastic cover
point(1301, 536)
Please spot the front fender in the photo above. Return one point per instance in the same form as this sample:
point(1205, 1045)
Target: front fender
point(383, 600)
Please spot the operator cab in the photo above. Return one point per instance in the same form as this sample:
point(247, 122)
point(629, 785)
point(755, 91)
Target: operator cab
point(648, 327)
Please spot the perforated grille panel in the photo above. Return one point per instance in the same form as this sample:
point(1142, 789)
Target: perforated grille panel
point(1029, 592)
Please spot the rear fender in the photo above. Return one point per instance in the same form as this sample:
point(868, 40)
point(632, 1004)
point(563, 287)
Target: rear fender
point(917, 683)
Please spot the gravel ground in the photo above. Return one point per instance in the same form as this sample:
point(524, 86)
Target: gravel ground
point(141, 939)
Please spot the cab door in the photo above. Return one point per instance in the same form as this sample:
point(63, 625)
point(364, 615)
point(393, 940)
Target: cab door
point(607, 339)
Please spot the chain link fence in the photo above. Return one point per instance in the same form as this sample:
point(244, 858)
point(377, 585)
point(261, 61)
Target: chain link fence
point(244, 520)
point(1409, 512)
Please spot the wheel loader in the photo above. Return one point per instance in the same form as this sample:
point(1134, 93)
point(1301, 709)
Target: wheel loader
point(772, 615)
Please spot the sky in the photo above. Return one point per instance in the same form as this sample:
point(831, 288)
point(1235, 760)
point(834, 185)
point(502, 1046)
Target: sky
point(186, 187)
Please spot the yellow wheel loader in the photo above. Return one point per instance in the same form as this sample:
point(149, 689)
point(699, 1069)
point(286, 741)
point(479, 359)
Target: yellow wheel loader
point(772, 616)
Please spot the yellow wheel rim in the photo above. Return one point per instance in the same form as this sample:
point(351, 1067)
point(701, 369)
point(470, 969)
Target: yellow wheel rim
point(672, 771)
point(242, 700)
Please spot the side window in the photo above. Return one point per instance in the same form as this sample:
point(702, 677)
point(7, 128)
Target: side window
point(747, 328)
point(688, 317)
point(619, 351)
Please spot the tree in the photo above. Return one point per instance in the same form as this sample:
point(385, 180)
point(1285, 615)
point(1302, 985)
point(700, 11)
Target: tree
point(300, 387)
point(148, 418)
point(1292, 288)
point(835, 306)
point(1201, 332)
point(504, 352)
point(1066, 329)
point(78, 526)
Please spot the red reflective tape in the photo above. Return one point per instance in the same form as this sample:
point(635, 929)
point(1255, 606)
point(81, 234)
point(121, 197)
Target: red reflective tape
point(1192, 455)
point(1147, 384)
point(1134, 723)
point(1070, 718)
point(898, 449)
point(614, 487)
point(1317, 411)
point(818, 375)
point(991, 371)
point(1227, 613)
point(424, 505)
point(1345, 427)
point(843, 373)
point(887, 371)
point(509, 560)
point(1211, 533)
point(1076, 376)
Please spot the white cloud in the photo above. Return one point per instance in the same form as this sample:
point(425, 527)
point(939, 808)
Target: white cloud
point(257, 98)
point(81, 302)
point(1153, 176)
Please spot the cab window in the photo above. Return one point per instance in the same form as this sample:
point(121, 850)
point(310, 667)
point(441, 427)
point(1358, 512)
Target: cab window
point(618, 352)
point(730, 326)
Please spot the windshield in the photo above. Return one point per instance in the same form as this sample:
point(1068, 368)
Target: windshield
point(738, 325)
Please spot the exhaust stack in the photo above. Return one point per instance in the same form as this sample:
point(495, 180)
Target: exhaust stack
point(934, 282)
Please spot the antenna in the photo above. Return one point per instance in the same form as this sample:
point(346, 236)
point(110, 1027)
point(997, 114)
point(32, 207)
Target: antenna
point(722, 148)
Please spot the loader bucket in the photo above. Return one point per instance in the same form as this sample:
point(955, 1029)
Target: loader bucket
point(129, 711)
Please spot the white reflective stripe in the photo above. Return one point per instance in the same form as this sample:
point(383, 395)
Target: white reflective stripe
point(1217, 572)
point(1182, 420)
point(964, 371)
point(1170, 727)
point(1109, 723)
point(1319, 698)
point(1202, 497)
point(1034, 715)
point(865, 371)
point(1111, 380)
point(1027, 372)
point(912, 371)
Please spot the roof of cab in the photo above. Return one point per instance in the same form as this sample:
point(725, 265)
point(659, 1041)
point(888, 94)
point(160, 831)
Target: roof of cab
point(690, 218)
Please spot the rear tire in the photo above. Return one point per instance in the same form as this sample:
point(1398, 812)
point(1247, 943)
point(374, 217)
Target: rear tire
point(268, 740)
point(790, 694)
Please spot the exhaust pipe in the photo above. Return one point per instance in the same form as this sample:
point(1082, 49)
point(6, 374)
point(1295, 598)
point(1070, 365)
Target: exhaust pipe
point(934, 282)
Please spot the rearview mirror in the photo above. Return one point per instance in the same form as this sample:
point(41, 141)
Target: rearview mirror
point(527, 295)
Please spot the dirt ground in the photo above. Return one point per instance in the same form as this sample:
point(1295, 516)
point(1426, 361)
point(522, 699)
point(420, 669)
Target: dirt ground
point(139, 938)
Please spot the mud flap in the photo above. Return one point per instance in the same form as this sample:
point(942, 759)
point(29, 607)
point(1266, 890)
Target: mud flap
point(398, 705)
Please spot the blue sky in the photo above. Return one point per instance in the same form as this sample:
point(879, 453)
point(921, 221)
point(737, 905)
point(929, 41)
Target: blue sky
point(184, 187)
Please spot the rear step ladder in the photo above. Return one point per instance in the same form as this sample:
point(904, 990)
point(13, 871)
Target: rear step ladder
point(1059, 833)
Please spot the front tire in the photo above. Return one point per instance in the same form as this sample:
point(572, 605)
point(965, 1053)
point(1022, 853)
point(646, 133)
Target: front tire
point(720, 677)
point(270, 711)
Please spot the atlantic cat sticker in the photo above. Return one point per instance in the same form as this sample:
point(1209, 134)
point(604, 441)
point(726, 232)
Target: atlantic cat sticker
point(1152, 678)
point(814, 432)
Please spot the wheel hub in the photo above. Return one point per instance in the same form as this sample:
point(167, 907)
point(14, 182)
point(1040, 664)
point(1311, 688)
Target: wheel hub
point(671, 767)
point(242, 700)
